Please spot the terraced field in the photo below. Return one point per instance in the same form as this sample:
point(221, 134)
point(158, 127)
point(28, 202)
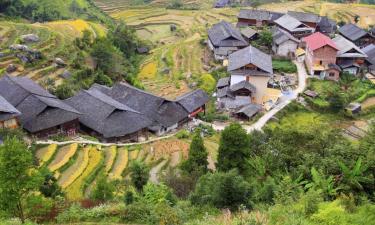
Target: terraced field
point(177, 58)
point(55, 41)
point(77, 167)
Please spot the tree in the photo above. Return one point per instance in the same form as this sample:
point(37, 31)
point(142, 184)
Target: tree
point(124, 38)
point(139, 173)
point(336, 101)
point(234, 149)
point(265, 38)
point(103, 190)
point(18, 177)
point(102, 79)
point(64, 91)
point(49, 187)
point(207, 83)
point(223, 190)
point(197, 160)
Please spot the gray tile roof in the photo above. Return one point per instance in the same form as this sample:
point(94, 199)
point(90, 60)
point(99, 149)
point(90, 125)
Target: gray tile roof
point(327, 25)
point(249, 110)
point(40, 110)
point(280, 36)
point(347, 49)
point(224, 34)
point(291, 24)
point(352, 32)
point(305, 17)
point(160, 110)
point(253, 14)
point(224, 92)
point(7, 110)
point(243, 85)
point(250, 55)
point(223, 82)
point(193, 100)
point(248, 32)
point(107, 116)
point(370, 52)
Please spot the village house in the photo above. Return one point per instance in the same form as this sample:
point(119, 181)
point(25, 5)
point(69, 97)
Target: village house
point(357, 35)
point(250, 71)
point(294, 26)
point(370, 60)
point(193, 102)
point(108, 119)
point(249, 34)
point(310, 19)
point(165, 115)
point(224, 39)
point(350, 57)
point(283, 44)
point(42, 114)
point(326, 26)
point(254, 17)
point(320, 57)
point(8, 115)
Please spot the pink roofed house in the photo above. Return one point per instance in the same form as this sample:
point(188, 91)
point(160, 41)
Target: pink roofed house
point(320, 56)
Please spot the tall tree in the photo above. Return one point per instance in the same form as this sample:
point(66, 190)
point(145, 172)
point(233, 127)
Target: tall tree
point(197, 160)
point(234, 149)
point(18, 177)
point(139, 173)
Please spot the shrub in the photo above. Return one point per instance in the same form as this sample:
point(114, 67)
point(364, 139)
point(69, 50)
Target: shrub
point(158, 193)
point(207, 83)
point(183, 134)
point(284, 66)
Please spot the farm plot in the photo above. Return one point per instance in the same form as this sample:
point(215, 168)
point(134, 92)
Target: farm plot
point(75, 190)
point(120, 164)
point(46, 153)
point(63, 155)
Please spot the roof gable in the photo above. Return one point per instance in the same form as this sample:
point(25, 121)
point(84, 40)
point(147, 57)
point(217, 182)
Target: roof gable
point(346, 48)
point(253, 14)
point(290, 23)
point(250, 55)
point(193, 100)
point(225, 34)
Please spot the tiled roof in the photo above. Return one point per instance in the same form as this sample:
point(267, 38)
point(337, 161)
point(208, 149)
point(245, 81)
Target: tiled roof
point(352, 32)
point(347, 49)
point(318, 40)
point(224, 34)
point(305, 17)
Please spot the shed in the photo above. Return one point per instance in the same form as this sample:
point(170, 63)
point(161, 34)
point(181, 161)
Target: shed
point(249, 33)
point(311, 93)
point(248, 111)
point(354, 108)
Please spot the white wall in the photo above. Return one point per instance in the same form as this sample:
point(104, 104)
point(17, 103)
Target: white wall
point(234, 79)
point(260, 83)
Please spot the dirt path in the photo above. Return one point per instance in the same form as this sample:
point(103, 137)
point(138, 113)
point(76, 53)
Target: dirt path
point(368, 103)
point(155, 171)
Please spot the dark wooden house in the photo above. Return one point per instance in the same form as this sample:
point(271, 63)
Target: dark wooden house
point(42, 114)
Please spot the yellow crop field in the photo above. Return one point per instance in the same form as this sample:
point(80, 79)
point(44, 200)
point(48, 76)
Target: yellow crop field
point(74, 191)
point(74, 28)
point(63, 156)
point(71, 174)
point(45, 154)
point(134, 154)
point(148, 71)
point(110, 156)
point(120, 164)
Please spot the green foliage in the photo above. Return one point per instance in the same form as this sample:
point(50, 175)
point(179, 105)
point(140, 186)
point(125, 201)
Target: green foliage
point(354, 178)
point(207, 83)
point(222, 190)
point(322, 184)
point(233, 149)
point(183, 134)
point(158, 193)
point(129, 197)
point(18, 177)
point(197, 160)
point(265, 38)
point(104, 189)
point(284, 66)
point(49, 187)
point(64, 91)
point(139, 173)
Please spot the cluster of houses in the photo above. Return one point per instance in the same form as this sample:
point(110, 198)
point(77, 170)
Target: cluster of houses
point(112, 114)
point(326, 51)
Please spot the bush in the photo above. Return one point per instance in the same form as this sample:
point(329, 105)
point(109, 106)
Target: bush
point(222, 190)
point(158, 193)
point(207, 83)
point(183, 134)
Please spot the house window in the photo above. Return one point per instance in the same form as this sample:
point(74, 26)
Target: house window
point(320, 62)
point(331, 74)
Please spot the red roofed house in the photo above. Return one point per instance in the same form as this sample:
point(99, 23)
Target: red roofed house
point(320, 56)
